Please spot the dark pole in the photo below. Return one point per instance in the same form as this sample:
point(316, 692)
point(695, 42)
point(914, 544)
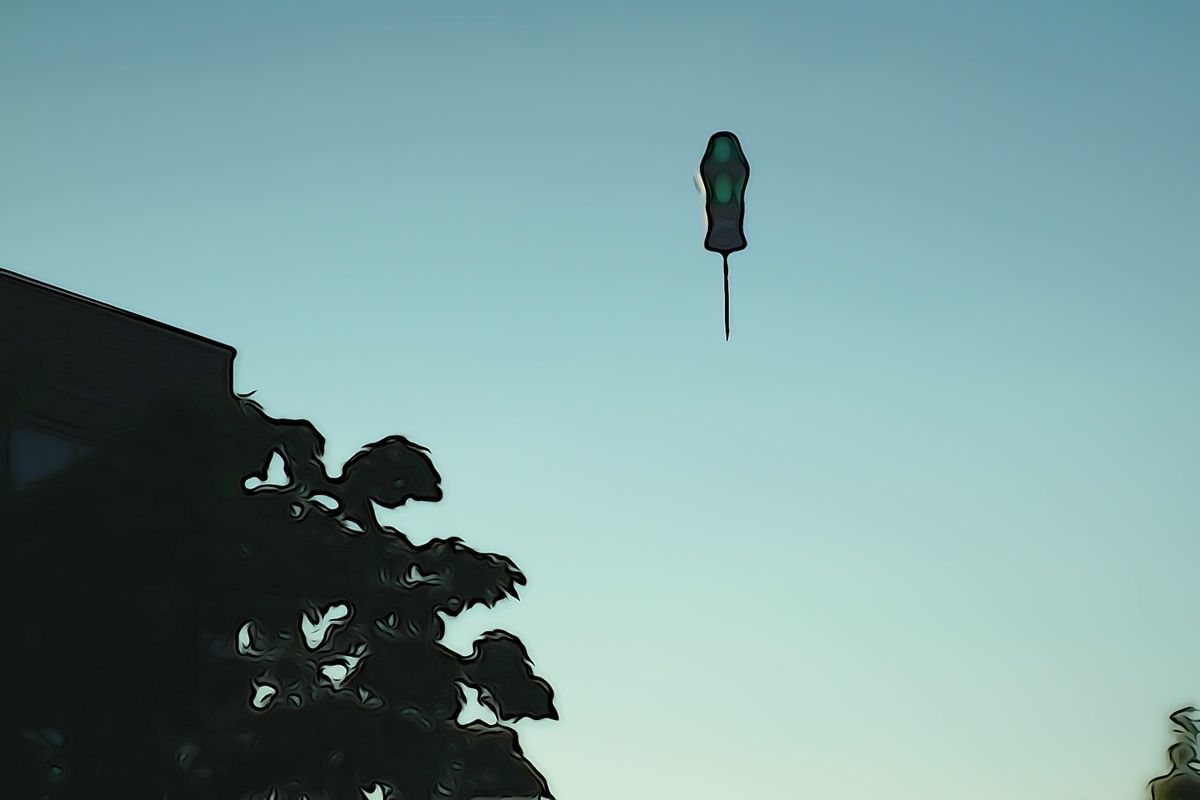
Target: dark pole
point(725, 264)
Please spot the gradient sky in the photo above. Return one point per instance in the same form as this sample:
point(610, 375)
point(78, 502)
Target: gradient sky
point(927, 520)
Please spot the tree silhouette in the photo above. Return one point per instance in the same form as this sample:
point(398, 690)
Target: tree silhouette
point(1182, 782)
point(187, 629)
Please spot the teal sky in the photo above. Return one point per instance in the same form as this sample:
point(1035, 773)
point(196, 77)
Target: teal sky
point(927, 520)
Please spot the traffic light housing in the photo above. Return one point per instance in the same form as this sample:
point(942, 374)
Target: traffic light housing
point(724, 173)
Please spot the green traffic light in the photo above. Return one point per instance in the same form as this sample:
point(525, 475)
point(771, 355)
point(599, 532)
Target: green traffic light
point(722, 149)
point(722, 188)
point(724, 173)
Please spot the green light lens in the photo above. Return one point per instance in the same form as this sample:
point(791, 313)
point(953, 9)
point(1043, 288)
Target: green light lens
point(722, 188)
point(722, 150)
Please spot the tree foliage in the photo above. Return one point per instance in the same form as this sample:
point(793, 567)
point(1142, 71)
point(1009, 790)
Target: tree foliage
point(187, 629)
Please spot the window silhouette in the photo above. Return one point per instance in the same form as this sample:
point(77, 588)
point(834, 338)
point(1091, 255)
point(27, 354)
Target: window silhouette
point(36, 452)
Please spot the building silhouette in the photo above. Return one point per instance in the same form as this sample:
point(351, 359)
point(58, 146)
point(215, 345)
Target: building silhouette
point(70, 365)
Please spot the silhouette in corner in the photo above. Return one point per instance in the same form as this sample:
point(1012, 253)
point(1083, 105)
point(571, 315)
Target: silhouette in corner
point(196, 609)
point(1183, 781)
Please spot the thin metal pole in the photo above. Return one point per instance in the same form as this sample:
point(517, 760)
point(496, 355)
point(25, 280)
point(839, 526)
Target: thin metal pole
point(725, 264)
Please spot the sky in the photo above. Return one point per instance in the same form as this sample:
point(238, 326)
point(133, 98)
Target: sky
point(927, 520)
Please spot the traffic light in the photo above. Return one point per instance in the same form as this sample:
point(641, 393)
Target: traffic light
point(724, 173)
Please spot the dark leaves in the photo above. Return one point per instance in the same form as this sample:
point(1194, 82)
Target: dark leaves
point(300, 443)
point(501, 668)
point(389, 472)
point(486, 761)
point(465, 577)
point(151, 556)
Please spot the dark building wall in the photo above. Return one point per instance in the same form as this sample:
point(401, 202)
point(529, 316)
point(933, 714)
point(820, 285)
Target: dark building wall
point(91, 361)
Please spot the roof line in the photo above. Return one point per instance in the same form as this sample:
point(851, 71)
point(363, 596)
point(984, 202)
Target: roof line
point(46, 287)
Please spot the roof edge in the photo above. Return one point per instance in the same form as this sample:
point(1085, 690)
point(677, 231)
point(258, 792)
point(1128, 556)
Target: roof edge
point(46, 287)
